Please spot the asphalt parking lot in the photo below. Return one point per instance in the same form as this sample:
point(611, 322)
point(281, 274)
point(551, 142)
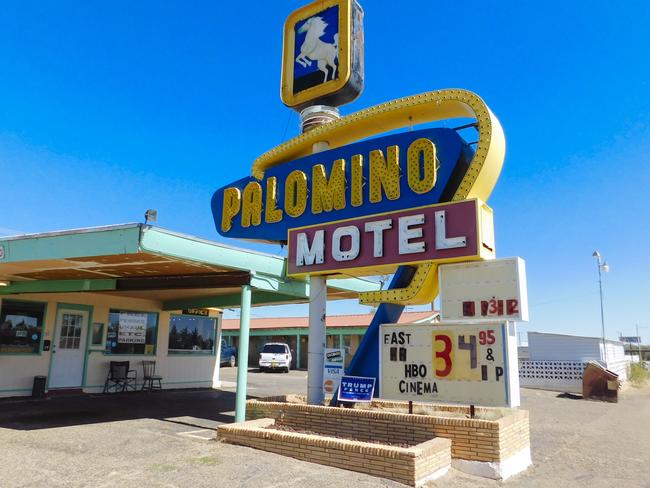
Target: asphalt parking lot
point(166, 440)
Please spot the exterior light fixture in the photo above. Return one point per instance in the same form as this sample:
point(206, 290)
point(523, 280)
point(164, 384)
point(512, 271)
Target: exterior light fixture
point(5, 283)
point(151, 215)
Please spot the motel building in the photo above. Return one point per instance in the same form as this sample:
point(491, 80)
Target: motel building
point(73, 301)
point(343, 332)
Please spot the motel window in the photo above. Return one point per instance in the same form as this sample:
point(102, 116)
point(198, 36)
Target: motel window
point(192, 334)
point(21, 326)
point(131, 332)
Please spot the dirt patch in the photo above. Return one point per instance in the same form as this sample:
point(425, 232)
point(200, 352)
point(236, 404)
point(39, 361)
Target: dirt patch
point(287, 428)
point(494, 414)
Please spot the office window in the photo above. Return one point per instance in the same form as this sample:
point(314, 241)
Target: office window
point(189, 333)
point(131, 332)
point(21, 326)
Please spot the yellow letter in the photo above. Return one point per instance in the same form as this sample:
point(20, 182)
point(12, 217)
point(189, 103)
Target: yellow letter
point(417, 182)
point(357, 181)
point(231, 206)
point(326, 195)
point(295, 193)
point(384, 174)
point(272, 214)
point(252, 205)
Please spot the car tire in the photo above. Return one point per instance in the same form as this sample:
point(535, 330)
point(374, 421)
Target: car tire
point(286, 370)
point(232, 361)
point(262, 369)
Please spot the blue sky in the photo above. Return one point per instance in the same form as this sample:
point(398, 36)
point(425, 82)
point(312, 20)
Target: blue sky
point(108, 109)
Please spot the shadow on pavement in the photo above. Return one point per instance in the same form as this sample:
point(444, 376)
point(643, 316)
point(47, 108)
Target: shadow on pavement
point(570, 396)
point(81, 409)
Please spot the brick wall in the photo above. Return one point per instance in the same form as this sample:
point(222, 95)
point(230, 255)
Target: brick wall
point(471, 439)
point(406, 465)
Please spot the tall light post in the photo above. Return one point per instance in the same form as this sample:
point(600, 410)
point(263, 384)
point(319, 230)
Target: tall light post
point(602, 267)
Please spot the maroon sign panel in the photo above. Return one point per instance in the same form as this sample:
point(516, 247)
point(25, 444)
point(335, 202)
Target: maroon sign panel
point(446, 232)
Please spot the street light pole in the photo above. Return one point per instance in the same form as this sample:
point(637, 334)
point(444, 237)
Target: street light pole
point(602, 266)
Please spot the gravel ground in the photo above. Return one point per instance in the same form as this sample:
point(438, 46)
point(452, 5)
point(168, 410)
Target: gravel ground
point(164, 440)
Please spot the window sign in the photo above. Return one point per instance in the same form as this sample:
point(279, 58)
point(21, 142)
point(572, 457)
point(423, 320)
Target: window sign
point(131, 332)
point(356, 389)
point(132, 328)
point(21, 326)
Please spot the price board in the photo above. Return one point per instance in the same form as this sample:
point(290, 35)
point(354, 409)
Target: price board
point(458, 363)
point(494, 289)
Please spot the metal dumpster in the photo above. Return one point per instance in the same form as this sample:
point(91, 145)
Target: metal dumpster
point(599, 383)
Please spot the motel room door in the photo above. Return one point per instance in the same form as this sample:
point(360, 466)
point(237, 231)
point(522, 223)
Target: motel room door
point(69, 349)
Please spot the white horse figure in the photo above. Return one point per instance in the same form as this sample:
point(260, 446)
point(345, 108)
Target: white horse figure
point(314, 49)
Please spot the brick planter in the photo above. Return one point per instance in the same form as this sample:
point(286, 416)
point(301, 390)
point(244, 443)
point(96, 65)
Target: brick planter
point(491, 448)
point(412, 466)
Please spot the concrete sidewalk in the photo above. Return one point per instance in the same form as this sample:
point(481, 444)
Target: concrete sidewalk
point(207, 407)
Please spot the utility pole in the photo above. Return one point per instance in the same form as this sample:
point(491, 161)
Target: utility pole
point(602, 266)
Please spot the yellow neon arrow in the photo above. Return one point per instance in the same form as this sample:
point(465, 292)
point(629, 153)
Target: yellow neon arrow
point(478, 182)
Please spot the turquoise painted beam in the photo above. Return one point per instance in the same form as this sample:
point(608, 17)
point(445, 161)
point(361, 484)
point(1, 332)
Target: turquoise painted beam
point(122, 239)
point(58, 286)
point(160, 241)
point(287, 286)
point(353, 284)
point(343, 331)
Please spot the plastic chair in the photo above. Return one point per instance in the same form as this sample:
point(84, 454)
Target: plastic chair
point(149, 370)
point(120, 377)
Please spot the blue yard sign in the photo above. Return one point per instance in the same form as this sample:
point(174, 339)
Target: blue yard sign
point(356, 389)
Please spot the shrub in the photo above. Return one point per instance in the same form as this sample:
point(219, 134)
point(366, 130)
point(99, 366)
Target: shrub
point(639, 374)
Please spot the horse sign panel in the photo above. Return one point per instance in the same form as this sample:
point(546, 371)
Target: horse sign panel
point(470, 364)
point(323, 50)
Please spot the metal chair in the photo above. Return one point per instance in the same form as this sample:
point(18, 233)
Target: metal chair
point(120, 377)
point(149, 370)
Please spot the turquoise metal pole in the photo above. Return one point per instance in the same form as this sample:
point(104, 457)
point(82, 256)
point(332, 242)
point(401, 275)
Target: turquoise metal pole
point(242, 354)
point(298, 350)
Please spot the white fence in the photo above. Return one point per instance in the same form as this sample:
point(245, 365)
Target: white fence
point(565, 376)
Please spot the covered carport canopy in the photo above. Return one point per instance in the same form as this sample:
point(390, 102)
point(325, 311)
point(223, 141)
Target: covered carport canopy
point(142, 261)
point(178, 271)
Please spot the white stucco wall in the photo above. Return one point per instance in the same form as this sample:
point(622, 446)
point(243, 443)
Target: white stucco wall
point(178, 370)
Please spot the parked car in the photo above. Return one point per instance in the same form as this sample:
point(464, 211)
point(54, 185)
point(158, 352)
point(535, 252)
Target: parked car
point(228, 354)
point(275, 355)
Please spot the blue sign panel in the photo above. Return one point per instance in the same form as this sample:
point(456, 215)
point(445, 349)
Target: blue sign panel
point(630, 339)
point(356, 389)
point(259, 210)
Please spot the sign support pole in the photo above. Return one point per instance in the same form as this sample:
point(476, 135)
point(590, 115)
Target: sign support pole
point(317, 314)
point(317, 328)
point(242, 354)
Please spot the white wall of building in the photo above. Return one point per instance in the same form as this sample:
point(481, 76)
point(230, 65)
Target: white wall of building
point(17, 371)
point(556, 361)
point(559, 347)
